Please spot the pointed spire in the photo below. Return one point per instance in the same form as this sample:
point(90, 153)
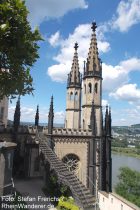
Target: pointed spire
point(50, 117)
point(110, 121)
point(93, 66)
point(93, 119)
point(16, 122)
point(37, 116)
point(74, 77)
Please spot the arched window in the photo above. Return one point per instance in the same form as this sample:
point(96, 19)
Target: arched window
point(84, 88)
point(96, 87)
point(71, 96)
point(89, 88)
point(76, 96)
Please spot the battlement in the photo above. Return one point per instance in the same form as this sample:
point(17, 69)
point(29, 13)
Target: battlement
point(56, 131)
point(21, 129)
point(79, 132)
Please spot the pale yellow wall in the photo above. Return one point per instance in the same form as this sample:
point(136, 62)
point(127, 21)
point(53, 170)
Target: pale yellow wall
point(81, 150)
point(73, 117)
point(87, 99)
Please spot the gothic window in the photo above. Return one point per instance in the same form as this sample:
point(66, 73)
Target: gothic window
point(84, 88)
point(76, 96)
point(96, 87)
point(72, 162)
point(71, 96)
point(83, 124)
point(89, 88)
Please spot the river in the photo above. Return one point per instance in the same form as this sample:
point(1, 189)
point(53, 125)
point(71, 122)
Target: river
point(118, 161)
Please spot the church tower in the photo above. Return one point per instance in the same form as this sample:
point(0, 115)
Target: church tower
point(92, 84)
point(73, 101)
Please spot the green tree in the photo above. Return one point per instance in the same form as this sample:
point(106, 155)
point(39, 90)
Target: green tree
point(18, 49)
point(129, 185)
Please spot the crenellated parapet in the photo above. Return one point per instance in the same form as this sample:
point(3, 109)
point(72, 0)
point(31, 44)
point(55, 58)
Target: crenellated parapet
point(71, 132)
point(21, 130)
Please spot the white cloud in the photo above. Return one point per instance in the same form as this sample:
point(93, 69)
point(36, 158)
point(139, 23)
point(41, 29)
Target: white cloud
point(128, 116)
point(128, 92)
point(54, 39)
point(104, 102)
point(103, 46)
point(44, 9)
point(117, 76)
point(81, 34)
point(59, 72)
point(131, 64)
point(113, 77)
point(28, 114)
point(128, 14)
point(59, 117)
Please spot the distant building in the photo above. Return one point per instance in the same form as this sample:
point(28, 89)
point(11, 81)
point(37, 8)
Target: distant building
point(112, 201)
point(131, 146)
point(4, 111)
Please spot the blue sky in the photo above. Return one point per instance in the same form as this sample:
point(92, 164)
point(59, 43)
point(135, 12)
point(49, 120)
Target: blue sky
point(61, 24)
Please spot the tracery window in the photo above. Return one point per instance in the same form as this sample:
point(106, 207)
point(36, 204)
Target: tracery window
point(72, 162)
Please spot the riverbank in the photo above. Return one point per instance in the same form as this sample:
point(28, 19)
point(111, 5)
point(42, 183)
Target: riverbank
point(131, 152)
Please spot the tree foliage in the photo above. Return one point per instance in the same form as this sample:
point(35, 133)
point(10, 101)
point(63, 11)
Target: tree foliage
point(67, 204)
point(129, 185)
point(18, 49)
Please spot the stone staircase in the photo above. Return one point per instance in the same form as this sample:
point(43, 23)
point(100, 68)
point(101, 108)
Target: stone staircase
point(81, 194)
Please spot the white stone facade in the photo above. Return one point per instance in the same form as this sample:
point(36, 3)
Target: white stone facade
point(112, 201)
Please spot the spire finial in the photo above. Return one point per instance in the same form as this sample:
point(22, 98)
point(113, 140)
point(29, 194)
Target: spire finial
point(76, 46)
point(94, 26)
point(52, 98)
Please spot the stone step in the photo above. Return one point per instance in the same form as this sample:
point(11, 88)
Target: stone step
point(79, 190)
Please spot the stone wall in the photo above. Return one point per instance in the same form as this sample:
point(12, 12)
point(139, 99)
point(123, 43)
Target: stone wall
point(6, 165)
point(79, 149)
